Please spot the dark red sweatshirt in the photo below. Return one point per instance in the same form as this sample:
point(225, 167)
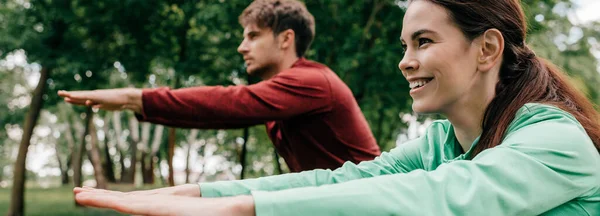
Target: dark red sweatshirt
point(311, 115)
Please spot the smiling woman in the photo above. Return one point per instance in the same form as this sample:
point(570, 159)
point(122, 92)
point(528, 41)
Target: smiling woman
point(519, 139)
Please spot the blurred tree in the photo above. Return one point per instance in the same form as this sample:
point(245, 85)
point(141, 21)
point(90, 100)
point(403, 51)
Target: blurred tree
point(41, 29)
point(360, 41)
point(20, 34)
point(555, 37)
point(14, 90)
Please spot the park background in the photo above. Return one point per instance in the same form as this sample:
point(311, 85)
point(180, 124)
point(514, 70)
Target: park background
point(51, 45)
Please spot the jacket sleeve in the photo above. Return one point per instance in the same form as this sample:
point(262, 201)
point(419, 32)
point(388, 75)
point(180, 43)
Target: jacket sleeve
point(537, 168)
point(402, 159)
point(289, 94)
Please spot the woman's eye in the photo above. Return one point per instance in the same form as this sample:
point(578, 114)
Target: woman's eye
point(423, 41)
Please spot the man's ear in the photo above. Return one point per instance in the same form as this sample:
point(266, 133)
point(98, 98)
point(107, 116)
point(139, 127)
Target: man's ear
point(491, 49)
point(287, 39)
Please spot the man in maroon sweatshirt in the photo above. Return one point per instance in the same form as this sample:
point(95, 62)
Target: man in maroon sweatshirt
point(311, 115)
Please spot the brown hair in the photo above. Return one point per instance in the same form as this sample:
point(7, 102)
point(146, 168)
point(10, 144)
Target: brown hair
point(281, 15)
point(524, 77)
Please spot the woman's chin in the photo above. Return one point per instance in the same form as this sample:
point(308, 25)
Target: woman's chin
point(423, 107)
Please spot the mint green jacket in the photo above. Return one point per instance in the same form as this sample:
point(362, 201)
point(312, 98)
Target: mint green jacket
point(546, 165)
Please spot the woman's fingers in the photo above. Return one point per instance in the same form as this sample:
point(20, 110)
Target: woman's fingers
point(130, 203)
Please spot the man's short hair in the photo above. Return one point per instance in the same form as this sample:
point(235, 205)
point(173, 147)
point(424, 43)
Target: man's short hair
point(281, 15)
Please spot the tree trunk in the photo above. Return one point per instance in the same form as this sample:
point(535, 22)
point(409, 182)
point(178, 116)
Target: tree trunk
point(191, 139)
point(187, 163)
point(61, 166)
point(147, 168)
point(134, 136)
point(18, 191)
point(107, 163)
point(172, 135)
point(170, 153)
point(149, 157)
point(143, 149)
point(65, 180)
point(94, 156)
point(71, 146)
point(160, 173)
point(80, 150)
point(122, 165)
point(120, 146)
point(244, 152)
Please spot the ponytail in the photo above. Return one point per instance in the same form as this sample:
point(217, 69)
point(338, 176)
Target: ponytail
point(526, 78)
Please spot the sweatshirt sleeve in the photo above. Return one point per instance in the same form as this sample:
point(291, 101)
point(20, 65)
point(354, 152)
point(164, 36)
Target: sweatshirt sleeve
point(402, 159)
point(536, 168)
point(291, 93)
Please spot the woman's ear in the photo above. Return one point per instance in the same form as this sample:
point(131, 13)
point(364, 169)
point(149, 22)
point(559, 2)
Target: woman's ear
point(491, 49)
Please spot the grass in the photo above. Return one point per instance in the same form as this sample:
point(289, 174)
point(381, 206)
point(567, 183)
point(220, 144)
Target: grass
point(51, 201)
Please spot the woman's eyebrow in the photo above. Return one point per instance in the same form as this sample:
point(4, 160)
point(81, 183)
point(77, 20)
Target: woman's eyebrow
point(418, 33)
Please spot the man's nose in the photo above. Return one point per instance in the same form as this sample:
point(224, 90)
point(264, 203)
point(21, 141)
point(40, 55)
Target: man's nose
point(243, 47)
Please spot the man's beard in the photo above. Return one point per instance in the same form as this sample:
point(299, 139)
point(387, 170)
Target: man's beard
point(263, 70)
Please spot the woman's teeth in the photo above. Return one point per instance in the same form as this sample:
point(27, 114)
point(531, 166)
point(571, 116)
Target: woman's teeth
point(418, 83)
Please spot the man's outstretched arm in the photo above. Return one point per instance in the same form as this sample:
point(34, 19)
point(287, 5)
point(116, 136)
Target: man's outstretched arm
point(285, 96)
point(107, 99)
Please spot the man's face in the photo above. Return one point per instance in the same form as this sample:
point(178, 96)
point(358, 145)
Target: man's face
point(260, 50)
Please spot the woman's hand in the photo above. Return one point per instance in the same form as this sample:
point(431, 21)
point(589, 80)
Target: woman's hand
point(191, 190)
point(157, 203)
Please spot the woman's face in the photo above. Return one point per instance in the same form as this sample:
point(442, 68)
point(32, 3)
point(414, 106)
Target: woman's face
point(440, 63)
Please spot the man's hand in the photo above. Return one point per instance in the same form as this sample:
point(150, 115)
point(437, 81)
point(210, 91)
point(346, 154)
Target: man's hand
point(191, 190)
point(160, 204)
point(107, 99)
